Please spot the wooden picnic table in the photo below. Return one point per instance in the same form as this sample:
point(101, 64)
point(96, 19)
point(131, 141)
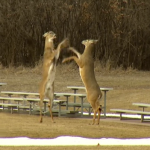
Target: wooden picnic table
point(105, 90)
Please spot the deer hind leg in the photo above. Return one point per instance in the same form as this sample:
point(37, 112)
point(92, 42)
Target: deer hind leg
point(50, 95)
point(41, 104)
point(42, 94)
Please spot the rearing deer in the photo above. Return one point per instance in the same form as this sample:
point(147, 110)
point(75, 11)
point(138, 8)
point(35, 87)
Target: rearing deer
point(49, 69)
point(86, 69)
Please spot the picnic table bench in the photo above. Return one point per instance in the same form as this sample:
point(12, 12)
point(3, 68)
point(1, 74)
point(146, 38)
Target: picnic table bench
point(123, 111)
point(27, 99)
point(11, 105)
point(34, 97)
point(105, 90)
point(26, 96)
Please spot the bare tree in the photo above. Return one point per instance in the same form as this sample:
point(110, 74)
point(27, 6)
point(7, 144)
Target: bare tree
point(122, 27)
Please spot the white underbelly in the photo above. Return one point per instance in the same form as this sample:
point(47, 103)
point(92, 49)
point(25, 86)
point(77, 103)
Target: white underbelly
point(80, 70)
point(51, 76)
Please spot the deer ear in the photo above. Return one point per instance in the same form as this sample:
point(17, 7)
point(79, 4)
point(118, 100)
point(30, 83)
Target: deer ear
point(93, 41)
point(83, 42)
point(45, 34)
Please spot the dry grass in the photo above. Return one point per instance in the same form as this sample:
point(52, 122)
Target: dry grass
point(129, 86)
point(21, 125)
point(79, 148)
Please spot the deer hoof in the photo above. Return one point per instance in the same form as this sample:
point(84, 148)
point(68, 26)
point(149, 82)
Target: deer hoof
point(91, 123)
point(41, 120)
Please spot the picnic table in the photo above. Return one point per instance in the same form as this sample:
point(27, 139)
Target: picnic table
point(142, 105)
point(30, 97)
point(105, 90)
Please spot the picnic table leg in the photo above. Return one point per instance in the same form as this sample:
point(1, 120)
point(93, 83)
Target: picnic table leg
point(142, 117)
point(89, 111)
point(120, 116)
point(30, 108)
point(11, 109)
point(105, 104)
point(81, 106)
point(3, 105)
point(75, 91)
point(67, 97)
point(44, 106)
point(18, 106)
point(59, 113)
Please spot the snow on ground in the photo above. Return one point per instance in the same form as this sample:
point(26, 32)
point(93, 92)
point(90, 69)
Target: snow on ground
point(69, 140)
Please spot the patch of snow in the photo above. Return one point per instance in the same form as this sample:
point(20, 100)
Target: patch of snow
point(71, 141)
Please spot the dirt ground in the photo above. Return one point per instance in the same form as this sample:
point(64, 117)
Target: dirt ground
point(128, 86)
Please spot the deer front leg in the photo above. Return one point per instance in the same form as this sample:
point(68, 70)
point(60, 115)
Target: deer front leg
point(64, 44)
point(98, 119)
point(98, 109)
point(95, 112)
point(75, 51)
point(77, 60)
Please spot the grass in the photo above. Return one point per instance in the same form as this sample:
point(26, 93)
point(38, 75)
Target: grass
point(80, 148)
point(28, 126)
point(129, 86)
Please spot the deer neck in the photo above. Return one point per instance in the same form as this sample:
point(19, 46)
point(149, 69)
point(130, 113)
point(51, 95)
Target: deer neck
point(88, 52)
point(49, 44)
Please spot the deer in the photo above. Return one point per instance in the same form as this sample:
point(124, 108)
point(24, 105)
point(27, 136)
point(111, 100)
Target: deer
point(50, 59)
point(85, 62)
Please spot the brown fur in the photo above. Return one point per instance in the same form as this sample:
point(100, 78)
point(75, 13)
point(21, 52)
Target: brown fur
point(86, 68)
point(49, 69)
